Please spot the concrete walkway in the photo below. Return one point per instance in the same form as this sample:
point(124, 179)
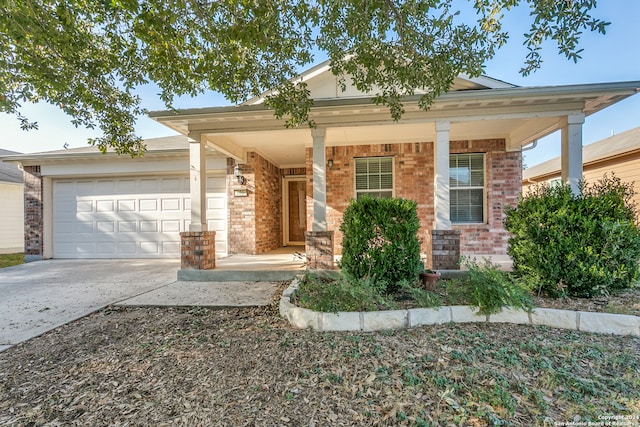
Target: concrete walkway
point(40, 296)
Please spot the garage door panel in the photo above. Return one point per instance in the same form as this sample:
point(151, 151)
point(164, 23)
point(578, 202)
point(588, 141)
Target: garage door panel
point(126, 248)
point(170, 204)
point(105, 226)
point(107, 248)
point(172, 185)
point(216, 225)
point(105, 206)
point(170, 226)
point(172, 247)
point(107, 187)
point(126, 205)
point(82, 227)
point(129, 217)
point(81, 206)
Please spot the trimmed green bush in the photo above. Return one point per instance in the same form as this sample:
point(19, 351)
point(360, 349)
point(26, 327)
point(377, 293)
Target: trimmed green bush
point(583, 245)
point(380, 241)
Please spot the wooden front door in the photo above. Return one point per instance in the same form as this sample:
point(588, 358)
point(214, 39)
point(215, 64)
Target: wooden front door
point(296, 207)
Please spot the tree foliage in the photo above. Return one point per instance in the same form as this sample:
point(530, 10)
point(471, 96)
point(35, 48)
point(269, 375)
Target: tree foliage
point(89, 57)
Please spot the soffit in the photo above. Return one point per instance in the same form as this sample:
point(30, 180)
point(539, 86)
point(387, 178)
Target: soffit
point(519, 115)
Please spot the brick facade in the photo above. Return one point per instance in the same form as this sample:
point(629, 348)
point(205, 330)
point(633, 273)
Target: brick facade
point(33, 215)
point(444, 251)
point(413, 179)
point(198, 250)
point(319, 248)
point(255, 221)
point(503, 184)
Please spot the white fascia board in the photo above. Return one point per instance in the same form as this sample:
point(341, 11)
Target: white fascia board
point(488, 82)
point(126, 168)
point(258, 117)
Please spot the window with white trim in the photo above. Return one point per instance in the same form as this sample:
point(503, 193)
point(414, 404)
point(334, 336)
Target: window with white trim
point(466, 188)
point(374, 176)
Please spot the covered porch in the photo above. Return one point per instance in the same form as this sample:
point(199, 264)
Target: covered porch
point(276, 265)
point(263, 154)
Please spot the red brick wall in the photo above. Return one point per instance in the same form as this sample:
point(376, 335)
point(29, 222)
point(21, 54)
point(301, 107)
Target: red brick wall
point(255, 220)
point(504, 177)
point(33, 219)
point(268, 205)
point(242, 213)
point(413, 179)
point(410, 160)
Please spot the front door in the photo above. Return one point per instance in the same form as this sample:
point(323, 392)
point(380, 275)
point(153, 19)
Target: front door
point(295, 211)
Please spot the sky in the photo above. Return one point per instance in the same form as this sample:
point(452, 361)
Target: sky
point(606, 58)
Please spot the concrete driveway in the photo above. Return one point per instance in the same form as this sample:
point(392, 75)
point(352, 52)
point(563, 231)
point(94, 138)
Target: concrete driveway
point(40, 296)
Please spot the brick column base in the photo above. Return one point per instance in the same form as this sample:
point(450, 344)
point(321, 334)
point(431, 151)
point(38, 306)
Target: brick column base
point(445, 250)
point(319, 250)
point(198, 250)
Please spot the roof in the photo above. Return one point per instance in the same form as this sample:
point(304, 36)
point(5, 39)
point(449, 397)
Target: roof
point(323, 84)
point(612, 146)
point(517, 114)
point(9, 173)
point(155, 146)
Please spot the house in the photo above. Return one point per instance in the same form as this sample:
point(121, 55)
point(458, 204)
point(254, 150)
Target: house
point(11, 208)
point(618, 154)
point(238, 181)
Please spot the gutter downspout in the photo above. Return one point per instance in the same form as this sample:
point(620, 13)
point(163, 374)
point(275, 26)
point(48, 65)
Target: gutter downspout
point(533, 144)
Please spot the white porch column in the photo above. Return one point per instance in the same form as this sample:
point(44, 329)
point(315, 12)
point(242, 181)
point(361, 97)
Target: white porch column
point(571, 153)
point(319, 180)
point(441, 176)
point(197, 183)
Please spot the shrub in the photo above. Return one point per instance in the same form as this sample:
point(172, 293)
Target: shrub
point(337, 293)
point(579, 245)
point(422, 297)
point(380, 241)
point(489, 289)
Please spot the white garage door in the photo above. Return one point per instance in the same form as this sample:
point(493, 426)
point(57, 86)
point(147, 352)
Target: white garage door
point(130, 217)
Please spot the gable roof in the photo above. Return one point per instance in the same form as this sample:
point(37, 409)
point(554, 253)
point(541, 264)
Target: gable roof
point(9, 173)
point(323, 85)
point(613, 146)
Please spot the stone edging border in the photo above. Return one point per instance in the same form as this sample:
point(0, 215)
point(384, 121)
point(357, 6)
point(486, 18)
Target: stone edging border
point(602, 323)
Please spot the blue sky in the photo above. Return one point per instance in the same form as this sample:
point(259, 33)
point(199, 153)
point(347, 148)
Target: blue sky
point(612, 57)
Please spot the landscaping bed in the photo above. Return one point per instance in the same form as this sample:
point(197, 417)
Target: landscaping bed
point(170, 366)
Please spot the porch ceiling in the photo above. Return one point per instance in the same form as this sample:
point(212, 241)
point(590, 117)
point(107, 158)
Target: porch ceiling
point(519, 115)
point(286, 147)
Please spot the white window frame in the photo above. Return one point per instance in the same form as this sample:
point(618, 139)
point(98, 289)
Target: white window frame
point(358, 192)
point(470, 187)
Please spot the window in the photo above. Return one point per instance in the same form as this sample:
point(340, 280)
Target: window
point(374, 176)
point(466, 182)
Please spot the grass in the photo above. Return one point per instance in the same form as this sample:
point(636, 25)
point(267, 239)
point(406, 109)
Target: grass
point(7, 260)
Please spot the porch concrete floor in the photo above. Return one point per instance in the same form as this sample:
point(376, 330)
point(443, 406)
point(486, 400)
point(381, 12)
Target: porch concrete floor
point(281, 264)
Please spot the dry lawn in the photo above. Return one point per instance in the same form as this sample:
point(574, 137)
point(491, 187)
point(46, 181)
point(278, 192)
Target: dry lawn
point(248, 367)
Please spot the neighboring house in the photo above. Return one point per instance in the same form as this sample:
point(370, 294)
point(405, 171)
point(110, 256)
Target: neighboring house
point(11, 207)
point(243, 183)
point(618, 154)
